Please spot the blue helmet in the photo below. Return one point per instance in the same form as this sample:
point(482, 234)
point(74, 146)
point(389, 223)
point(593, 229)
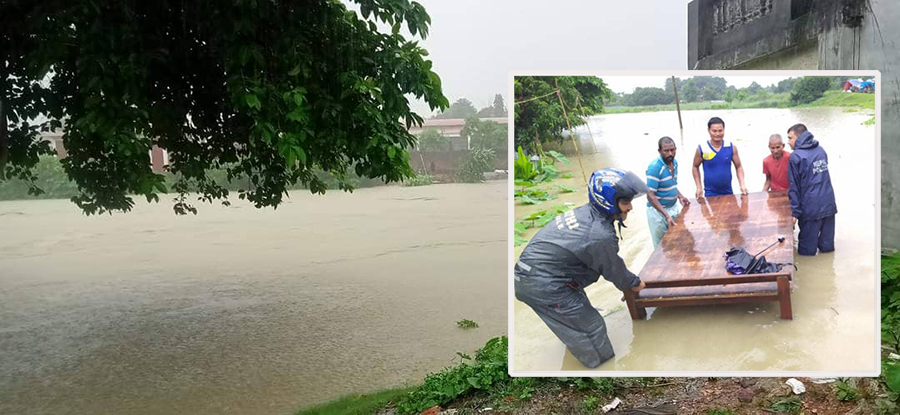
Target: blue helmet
point(609, 185)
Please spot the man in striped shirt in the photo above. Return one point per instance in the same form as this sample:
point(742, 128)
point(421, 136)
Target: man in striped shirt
point(662, 179)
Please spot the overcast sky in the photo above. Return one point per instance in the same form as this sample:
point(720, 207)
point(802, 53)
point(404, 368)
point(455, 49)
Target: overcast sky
point(475, 44)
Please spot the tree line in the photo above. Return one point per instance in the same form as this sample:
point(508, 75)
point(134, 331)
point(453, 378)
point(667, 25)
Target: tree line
point(713, 88)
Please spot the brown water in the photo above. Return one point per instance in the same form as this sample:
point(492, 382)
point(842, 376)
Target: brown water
point(834, 295)
point(244, 311)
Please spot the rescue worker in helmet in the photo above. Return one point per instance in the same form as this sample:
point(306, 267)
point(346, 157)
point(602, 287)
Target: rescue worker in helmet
point(571, 253)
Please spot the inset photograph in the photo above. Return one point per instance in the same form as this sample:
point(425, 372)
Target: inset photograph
point(721, 222)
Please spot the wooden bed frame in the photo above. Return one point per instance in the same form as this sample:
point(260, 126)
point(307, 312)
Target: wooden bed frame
point(688, 266)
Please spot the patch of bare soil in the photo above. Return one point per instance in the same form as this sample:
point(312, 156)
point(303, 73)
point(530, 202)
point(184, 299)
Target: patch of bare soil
point(688, 396)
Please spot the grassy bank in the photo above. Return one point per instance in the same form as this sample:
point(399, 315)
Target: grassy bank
point(831, 99)
point(842, 99)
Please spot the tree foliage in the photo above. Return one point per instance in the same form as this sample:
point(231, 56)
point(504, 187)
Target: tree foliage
point(786, 85)
point(754, 88)
point(706, 88)
point(497, 110)
point(809, 89)
point(461, 109)
point(538, 114)
point(485, 134)
point(274, 90)
point(691, 92)
point(678, 82)
point(432, 140)
point(651, 96)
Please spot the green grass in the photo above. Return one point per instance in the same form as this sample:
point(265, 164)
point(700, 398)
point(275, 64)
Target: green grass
point(831, 99)
point(357, 404)
point(843, 99)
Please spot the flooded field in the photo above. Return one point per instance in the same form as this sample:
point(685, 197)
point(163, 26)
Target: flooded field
point(834, 295)
point(245, 311)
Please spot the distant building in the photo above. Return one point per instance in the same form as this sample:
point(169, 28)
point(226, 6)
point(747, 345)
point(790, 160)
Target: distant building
point(451, 128)
point(807, 34)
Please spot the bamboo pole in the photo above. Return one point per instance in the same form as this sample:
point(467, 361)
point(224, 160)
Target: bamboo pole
point(586, 123)
point(571, 134)
point(677, 104)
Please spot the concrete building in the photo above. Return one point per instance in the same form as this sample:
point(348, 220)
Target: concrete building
point(812, 34)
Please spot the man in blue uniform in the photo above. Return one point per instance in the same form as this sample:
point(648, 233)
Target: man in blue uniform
point(571, 253)
point(810, 192)
point(717, 155)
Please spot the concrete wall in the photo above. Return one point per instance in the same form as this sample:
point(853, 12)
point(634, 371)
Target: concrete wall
point(448, 162)
point(798, 57)
point(882, 40)
point(873, 45)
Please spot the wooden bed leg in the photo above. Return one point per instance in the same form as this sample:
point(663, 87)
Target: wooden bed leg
point(637, 313)
point(784, 297)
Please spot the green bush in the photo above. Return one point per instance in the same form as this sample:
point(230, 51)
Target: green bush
point(50, 177)
point(787, 405)
point(890, 301)
point(487, 372)
point(846, 391)
point(591, 403)
point(478, 162)
point(419, 180)
point(809, 89)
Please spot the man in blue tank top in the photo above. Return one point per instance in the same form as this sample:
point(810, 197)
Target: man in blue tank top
point(717, 155)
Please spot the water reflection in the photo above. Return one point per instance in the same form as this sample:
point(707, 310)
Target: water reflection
point(725, 214)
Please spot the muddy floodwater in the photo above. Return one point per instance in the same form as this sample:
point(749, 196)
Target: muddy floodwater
point(834, 295)
point(245, 311)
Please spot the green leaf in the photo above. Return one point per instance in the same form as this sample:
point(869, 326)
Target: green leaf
point(252, 101)
point(521, 227)
point(535, 215)
point(520, 240)
point(558, 156)
point(296, 115)
point(290, 158)
point(474, 382)
point(566, 189)
point(301, 154)
point(525, 183)
point(547, 218)
point(891, 375)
